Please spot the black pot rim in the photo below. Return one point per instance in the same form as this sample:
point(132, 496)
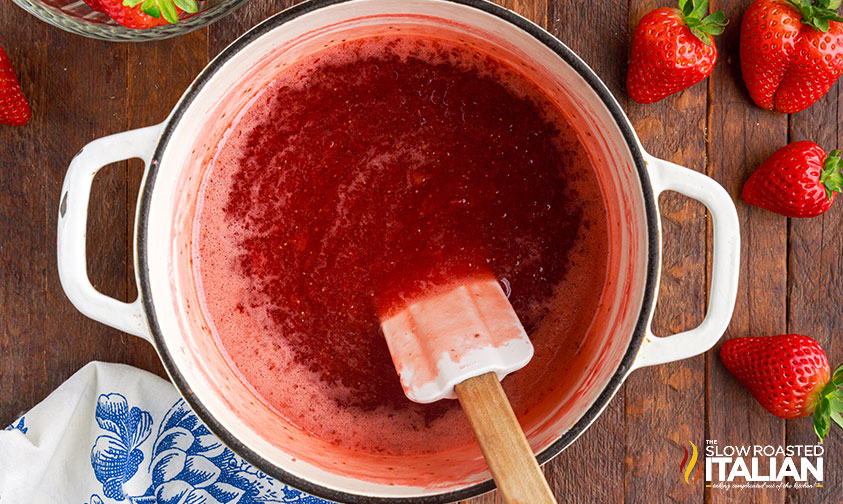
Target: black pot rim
point(548, 453)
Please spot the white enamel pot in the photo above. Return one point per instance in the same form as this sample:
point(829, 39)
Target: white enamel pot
point(166, 312)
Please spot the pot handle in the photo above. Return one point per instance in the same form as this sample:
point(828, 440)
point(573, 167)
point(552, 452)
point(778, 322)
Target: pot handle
point(667, 176)
point(72, 228)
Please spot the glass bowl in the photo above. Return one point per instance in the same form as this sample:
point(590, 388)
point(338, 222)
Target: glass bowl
point(76, 17)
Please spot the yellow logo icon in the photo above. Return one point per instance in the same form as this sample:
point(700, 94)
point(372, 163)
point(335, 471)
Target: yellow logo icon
point(687, 470)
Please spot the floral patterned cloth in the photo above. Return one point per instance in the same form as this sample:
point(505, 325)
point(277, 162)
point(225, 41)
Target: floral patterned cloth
point(115, 434)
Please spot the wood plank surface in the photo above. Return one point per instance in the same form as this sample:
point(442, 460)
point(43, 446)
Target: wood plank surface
point(742, 136)
point(24, 348)
point(815, 278)
point(791, 278)
point(665, 405)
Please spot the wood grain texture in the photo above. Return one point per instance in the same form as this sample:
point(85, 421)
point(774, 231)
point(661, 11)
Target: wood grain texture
point(23, 260)
point(66, 115)
point(505, 448)
point(742, 136)
point(790, 278)
point(815, 284)
point(665, 405)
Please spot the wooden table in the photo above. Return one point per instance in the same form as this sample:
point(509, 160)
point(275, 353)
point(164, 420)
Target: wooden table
point(791, 278)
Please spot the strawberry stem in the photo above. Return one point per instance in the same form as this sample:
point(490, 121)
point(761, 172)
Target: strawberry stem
point(702, 26)
point(829, 406)
point(164, 8)
point(831, 178)
point(817, 13)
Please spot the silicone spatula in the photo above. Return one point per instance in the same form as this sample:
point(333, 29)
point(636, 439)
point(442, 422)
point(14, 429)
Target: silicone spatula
point(459, 343)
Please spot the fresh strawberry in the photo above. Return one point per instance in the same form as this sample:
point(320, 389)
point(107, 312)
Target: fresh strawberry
point(672, 50)
point(798, 180)
point(140, 14)
point(789, 375)
point(14, 109)
point(791, 52)
point(95, 5)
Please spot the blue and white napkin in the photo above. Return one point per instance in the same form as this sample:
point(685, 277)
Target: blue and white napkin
point(115, 434)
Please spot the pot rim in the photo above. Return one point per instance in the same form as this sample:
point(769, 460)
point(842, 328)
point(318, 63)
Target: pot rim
point(590, 415)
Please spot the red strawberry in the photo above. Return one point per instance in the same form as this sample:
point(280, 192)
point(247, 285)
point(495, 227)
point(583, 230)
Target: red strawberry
point(798, 180)
point(672, 50)
point(789, 375)
point(140, 14)
point(130, 17)
point(791, 52)
point(95, 5)
point(14, 109)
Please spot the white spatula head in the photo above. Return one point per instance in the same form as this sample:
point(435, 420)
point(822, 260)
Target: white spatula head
point(465, 331)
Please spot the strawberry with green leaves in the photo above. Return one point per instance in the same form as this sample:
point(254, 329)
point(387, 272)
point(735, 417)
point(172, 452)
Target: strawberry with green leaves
point(140, 14)
point(672, 50)
point(791, 52)
point(788, 375)
point(798, 180)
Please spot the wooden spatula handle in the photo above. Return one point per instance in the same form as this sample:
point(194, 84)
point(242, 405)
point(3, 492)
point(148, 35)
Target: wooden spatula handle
point(510, 459)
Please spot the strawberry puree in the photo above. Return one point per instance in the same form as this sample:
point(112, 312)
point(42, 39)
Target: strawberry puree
point(363, 177)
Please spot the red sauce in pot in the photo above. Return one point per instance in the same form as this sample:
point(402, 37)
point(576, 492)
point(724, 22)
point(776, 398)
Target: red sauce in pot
point(364, 176)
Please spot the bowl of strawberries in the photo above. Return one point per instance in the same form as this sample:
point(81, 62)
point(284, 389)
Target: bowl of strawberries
point(129, 20)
